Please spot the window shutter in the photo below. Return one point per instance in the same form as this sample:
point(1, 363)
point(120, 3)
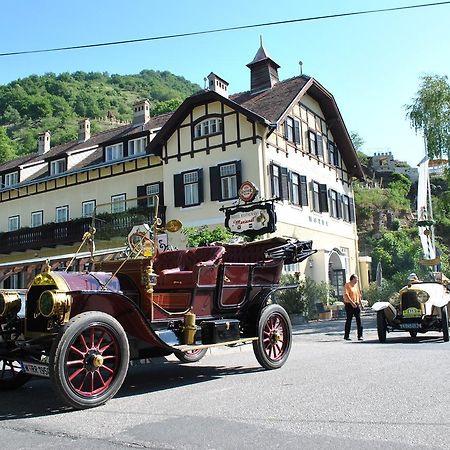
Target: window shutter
point(214, 182)
point(319, 144)
point(296, 131)
point(238, 174)
point(303, 191)
point(178, 189)
point(284, 184)
point(200, 185)
point(323, 199)
point(161, 193)
point(141, 192)
point(351, 208)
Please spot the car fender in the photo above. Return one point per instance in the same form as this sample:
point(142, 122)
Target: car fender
point(439, 302)
point(380, 306)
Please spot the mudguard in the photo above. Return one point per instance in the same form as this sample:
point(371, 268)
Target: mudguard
point(379, 306)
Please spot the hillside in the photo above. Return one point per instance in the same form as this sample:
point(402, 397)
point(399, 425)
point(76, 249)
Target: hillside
point(53, 102)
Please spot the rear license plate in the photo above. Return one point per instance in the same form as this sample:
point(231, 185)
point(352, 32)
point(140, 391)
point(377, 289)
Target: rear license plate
point(410, 326)
point(39, 370)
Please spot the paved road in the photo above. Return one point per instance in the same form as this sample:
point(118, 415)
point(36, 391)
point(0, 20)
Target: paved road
point(330, 394)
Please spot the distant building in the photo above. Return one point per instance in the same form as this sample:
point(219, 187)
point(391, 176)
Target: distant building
point(384, 164)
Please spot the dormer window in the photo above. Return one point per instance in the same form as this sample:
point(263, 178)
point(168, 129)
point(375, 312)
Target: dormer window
point(11, 179)
point(114, 152)
point(137, 146)
point(208, 127)
point(58, 166)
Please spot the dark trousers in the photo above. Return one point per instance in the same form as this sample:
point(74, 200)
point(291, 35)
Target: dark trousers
point(351, 311)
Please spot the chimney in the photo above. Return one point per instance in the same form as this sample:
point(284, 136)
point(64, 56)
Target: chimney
point(217, 84)
point(263, 71)
point(44, 142)
point(84, 130)
point(141, 112)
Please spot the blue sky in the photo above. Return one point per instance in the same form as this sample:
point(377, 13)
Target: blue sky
point(372, 64)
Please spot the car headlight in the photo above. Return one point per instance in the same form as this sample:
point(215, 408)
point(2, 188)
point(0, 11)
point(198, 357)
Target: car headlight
point(10, 303)
point(54, 303)
point(394, 299)
point(422, 296)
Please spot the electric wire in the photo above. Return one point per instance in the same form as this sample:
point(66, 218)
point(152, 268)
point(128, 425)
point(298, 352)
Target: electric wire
point(220, 30)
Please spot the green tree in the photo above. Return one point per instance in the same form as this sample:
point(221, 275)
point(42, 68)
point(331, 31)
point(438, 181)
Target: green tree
point(7, 147)
point(200, 236)
point(430, 114)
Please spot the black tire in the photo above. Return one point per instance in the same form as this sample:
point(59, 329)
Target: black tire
point(191, 356)
point(12, 375)
point(381, 326)
point(89, 359)
point(274, 337)
point(413, 334)
point(444, 320)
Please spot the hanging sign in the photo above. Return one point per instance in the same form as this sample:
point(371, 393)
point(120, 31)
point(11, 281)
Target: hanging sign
point(251, 220)
point(248, 191)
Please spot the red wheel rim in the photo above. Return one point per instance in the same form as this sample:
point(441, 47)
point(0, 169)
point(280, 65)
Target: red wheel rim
point(275, 337)
point(93, 359)
point(9, 370)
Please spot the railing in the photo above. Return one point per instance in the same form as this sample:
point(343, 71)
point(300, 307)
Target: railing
point(71, 232)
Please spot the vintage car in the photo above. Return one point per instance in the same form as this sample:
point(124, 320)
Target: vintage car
point(82, 329)
point(417, 308)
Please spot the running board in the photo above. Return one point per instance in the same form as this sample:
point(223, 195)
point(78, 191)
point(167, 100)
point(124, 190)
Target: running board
point(187, 348)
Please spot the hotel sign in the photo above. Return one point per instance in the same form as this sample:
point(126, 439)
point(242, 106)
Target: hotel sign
point(251, 220)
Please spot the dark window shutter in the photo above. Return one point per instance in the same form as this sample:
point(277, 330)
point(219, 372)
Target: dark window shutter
point(200, 186)
point(214, 182)
point(296, 131)
point(337, 157)
point(238, 174)
point(351, 208)
point(303, 191)
point(178, 189)
point(319, 144)
point(284, 184)
point(161, 193)
point(141, 192)
point(323, 199)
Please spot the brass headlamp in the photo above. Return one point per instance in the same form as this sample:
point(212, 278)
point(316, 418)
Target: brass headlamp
point(54, 303)
point(10, 303)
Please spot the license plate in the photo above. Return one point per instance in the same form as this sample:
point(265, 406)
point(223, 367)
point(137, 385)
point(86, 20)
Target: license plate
point(410, 326)
point(40, 370)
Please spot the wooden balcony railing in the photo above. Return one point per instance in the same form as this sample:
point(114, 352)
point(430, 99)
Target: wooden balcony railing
point(71, 232)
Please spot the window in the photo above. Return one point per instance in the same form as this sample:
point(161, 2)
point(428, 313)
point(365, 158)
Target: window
point(152, 189)
point(225, 180)
point(334, 204)
point(208, 127)
point(11, 178)
point(276, 181)
point(312, 142)
point(62, 214)
point(58, 166)
point(87, 208)
point(13, 223)
point(37, 218)
point(319, 193)
point(292, 130)
point(295, 188)
point(189, 188)
point(118, 203)
point(137, 146)
point(348, 209)
point(114, 152)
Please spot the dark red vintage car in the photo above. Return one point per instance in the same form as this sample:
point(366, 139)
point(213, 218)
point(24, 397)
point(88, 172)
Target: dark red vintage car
point(82, 329)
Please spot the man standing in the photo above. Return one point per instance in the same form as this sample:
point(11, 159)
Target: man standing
point(352, 300)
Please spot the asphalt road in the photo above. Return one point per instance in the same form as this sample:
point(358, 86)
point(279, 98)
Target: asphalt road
point(330, 394)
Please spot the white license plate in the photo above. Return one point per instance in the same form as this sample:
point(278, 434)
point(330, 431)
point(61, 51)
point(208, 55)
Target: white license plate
point(39, 370)
point(410, 326)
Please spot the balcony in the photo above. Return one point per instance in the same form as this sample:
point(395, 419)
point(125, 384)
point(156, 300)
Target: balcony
point(71, 232)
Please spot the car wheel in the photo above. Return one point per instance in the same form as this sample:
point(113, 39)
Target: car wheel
point(12, 375)
point(444, 320)
point(274, 337)
point(89, 359)
point(381, 326)
point(191, 356)
point(413, 334)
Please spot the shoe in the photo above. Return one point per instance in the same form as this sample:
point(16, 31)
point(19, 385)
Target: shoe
point(347, 339)
point(360, 338)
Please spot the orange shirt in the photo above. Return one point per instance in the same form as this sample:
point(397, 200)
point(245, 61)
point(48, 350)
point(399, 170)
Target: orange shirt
point(352, 294)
